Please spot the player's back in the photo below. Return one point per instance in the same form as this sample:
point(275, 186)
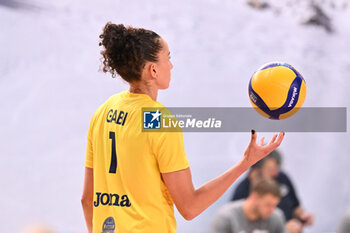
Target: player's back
point(129, 194)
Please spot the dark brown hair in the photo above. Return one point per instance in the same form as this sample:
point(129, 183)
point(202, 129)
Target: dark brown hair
point(266, 186)
point(276, 155)
point(127, 49)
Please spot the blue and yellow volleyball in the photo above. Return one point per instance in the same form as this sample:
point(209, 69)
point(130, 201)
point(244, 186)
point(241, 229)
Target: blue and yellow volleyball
point(277, 90)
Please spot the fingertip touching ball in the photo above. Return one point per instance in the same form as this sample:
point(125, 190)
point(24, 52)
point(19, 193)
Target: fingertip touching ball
point(277, 90)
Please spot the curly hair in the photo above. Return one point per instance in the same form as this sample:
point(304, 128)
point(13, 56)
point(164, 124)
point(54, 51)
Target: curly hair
point(127, 49)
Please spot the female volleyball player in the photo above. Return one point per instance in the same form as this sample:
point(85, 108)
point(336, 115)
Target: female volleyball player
point(133, 178)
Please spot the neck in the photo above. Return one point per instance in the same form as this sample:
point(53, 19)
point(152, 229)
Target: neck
point(249, 210)
point(144, 88)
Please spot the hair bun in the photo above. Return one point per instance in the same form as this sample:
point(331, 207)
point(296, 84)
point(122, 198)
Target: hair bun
point(118, 29)
point(113, 33)
point(127, 49)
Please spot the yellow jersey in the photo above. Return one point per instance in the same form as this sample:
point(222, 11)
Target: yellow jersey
point(129, 193)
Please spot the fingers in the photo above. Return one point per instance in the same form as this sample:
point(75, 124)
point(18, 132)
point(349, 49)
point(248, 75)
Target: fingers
point(253, 137)
point(280, 138)
point(310, 220)
point(273, 144)
point(261, 143)
point(273, 139)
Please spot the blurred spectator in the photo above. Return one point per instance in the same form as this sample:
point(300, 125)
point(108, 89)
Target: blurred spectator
point(344, 226)
point(269, 167)
point(258, 213)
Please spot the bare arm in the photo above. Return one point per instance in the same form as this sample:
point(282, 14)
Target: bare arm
point(191, 202)
point(87, 197)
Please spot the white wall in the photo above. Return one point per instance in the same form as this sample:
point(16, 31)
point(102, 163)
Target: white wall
point(50, 86)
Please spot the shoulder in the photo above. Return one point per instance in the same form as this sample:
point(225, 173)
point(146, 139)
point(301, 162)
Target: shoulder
point(230, 209)
point(283, 175)
point(227, 218)
point(244, 183)
point(277, 216)
point(277, 221)
point(242, 189)
point(126, 99)
point(284, 178)
point(106, 105)
point(111, 100)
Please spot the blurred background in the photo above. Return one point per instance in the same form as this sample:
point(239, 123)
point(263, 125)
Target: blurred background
point(50, 85)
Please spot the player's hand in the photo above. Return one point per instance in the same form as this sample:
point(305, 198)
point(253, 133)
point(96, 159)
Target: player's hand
point(294, 226)
point(255, 152)
point(307, 218)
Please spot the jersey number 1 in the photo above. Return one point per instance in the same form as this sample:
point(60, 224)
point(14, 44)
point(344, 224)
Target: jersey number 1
point(113, 167)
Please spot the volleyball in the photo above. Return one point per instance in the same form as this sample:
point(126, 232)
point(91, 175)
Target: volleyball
point(277, 90)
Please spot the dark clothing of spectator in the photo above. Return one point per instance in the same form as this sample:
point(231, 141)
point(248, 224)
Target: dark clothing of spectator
point(289, 200)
